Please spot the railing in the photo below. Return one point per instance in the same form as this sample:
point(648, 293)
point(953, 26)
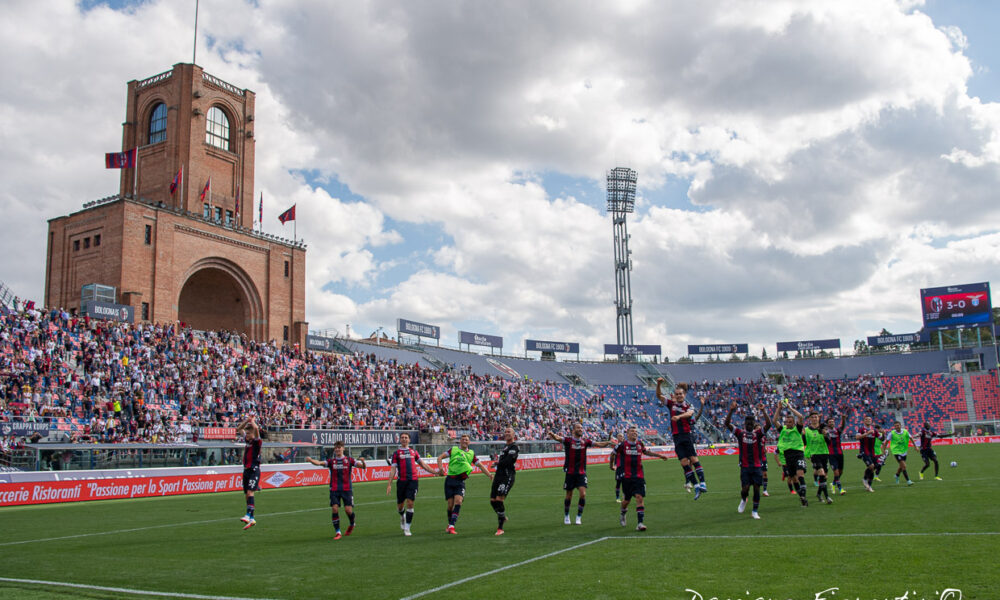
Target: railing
point(233, 227)
point(6, 296)
point(222, 84)
point(154, 79)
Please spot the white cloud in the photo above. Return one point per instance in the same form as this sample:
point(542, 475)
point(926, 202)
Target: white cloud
point(837, 162)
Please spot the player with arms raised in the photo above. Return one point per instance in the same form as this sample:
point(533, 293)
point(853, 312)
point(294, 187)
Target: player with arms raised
point(251, 467)
point(629, 455)
point(503, 479)
point(340, 485)
point(681, 423)
point(753, 455)
point(818, 453)
point(575, 467)
point(404, 462)
point(792, 447)
point(461, 459)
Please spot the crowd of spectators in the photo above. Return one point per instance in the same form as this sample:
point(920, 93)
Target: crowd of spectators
point(114, 382)
point(855, 398)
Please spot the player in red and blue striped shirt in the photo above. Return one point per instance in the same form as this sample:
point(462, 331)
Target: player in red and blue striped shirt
point(575, 466)
point(251, 467)
point(340, 467)
point(753, 455)
point(404, 462)
point(628, 455)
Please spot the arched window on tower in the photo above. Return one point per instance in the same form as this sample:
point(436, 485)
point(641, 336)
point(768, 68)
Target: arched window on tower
point(158, 124)
point(217, 129)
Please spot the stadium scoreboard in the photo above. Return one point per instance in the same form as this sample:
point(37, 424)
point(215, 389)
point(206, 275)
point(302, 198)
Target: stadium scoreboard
point(956, 306)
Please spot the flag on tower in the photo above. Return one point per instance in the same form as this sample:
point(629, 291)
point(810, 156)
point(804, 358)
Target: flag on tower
point(121, 160)
point(177, 181)
point(288, 215)
point(205, 190)
point(260, 219)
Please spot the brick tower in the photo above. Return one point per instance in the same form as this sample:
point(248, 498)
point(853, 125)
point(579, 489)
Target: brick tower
point(184, 255)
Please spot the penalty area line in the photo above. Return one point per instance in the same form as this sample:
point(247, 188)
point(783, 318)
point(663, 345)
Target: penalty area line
point(501, 569)
point(118, 590)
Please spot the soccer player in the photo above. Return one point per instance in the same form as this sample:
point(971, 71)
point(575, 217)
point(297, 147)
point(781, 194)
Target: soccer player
point(619, 470)
point(753, 456)
point(867, 436)
point(681, 430)
point(404, 462)
point(784, 474)
point(763, 489)
point(817, 452)
point(792, 447)
point(836, 450)
point(340, 485)
point(899, 442)
point(575, 467)
point(927, 453)
point(629, 455)
point(460, 462)
point(251, 467)
point(503, 479)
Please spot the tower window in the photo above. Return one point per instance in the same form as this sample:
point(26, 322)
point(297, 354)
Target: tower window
point(284, 333)
point(229, 218)
point(158, 123)
point(148, 236)
point(76, 245)
point(217, 129)
point(286, 268)
point(97, 240)
point(86, 242)
point(145, 311)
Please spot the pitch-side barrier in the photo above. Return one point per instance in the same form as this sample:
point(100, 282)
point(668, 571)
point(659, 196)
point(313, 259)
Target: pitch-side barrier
point(45, 487)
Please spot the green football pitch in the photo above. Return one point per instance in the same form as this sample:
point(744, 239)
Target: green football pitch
point(899, 542)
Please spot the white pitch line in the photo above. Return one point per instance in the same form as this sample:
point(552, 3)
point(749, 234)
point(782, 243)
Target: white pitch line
point(149, 527)
point(688, 537)
point(501, 569)
point(798, 535)
point(101, 588)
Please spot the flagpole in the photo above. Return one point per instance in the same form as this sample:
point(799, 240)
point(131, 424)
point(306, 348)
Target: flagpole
point(180, 191)
point(135, 173)
point(194, 52)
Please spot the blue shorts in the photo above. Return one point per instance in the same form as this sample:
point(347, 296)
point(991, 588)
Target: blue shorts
point(337, 497)
point(751, 476)
point(453, 486)
point(406, 489)
point(251, 479)
point(574, 481)
point(633, 486)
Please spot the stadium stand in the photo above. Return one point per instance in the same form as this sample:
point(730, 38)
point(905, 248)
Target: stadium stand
point(986, 395)
point(104, 381)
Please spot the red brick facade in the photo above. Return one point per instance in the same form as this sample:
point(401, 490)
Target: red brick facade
point(165, 257)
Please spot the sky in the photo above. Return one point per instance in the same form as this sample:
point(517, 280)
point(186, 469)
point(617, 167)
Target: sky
point(804, 168)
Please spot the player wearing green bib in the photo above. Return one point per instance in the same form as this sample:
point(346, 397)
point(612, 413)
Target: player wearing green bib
point(460, 462)
point(818, 453)
point(899, 442)
point(792, 447)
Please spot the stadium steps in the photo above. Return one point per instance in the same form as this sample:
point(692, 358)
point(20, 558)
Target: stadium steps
point(970, 400)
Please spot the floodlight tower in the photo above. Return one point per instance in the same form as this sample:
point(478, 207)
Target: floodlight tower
point(621, 201)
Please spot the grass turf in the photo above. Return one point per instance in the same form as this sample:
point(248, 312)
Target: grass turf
point(870, 546)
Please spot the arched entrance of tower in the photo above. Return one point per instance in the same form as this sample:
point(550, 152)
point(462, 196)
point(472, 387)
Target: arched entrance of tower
point(218, 294)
